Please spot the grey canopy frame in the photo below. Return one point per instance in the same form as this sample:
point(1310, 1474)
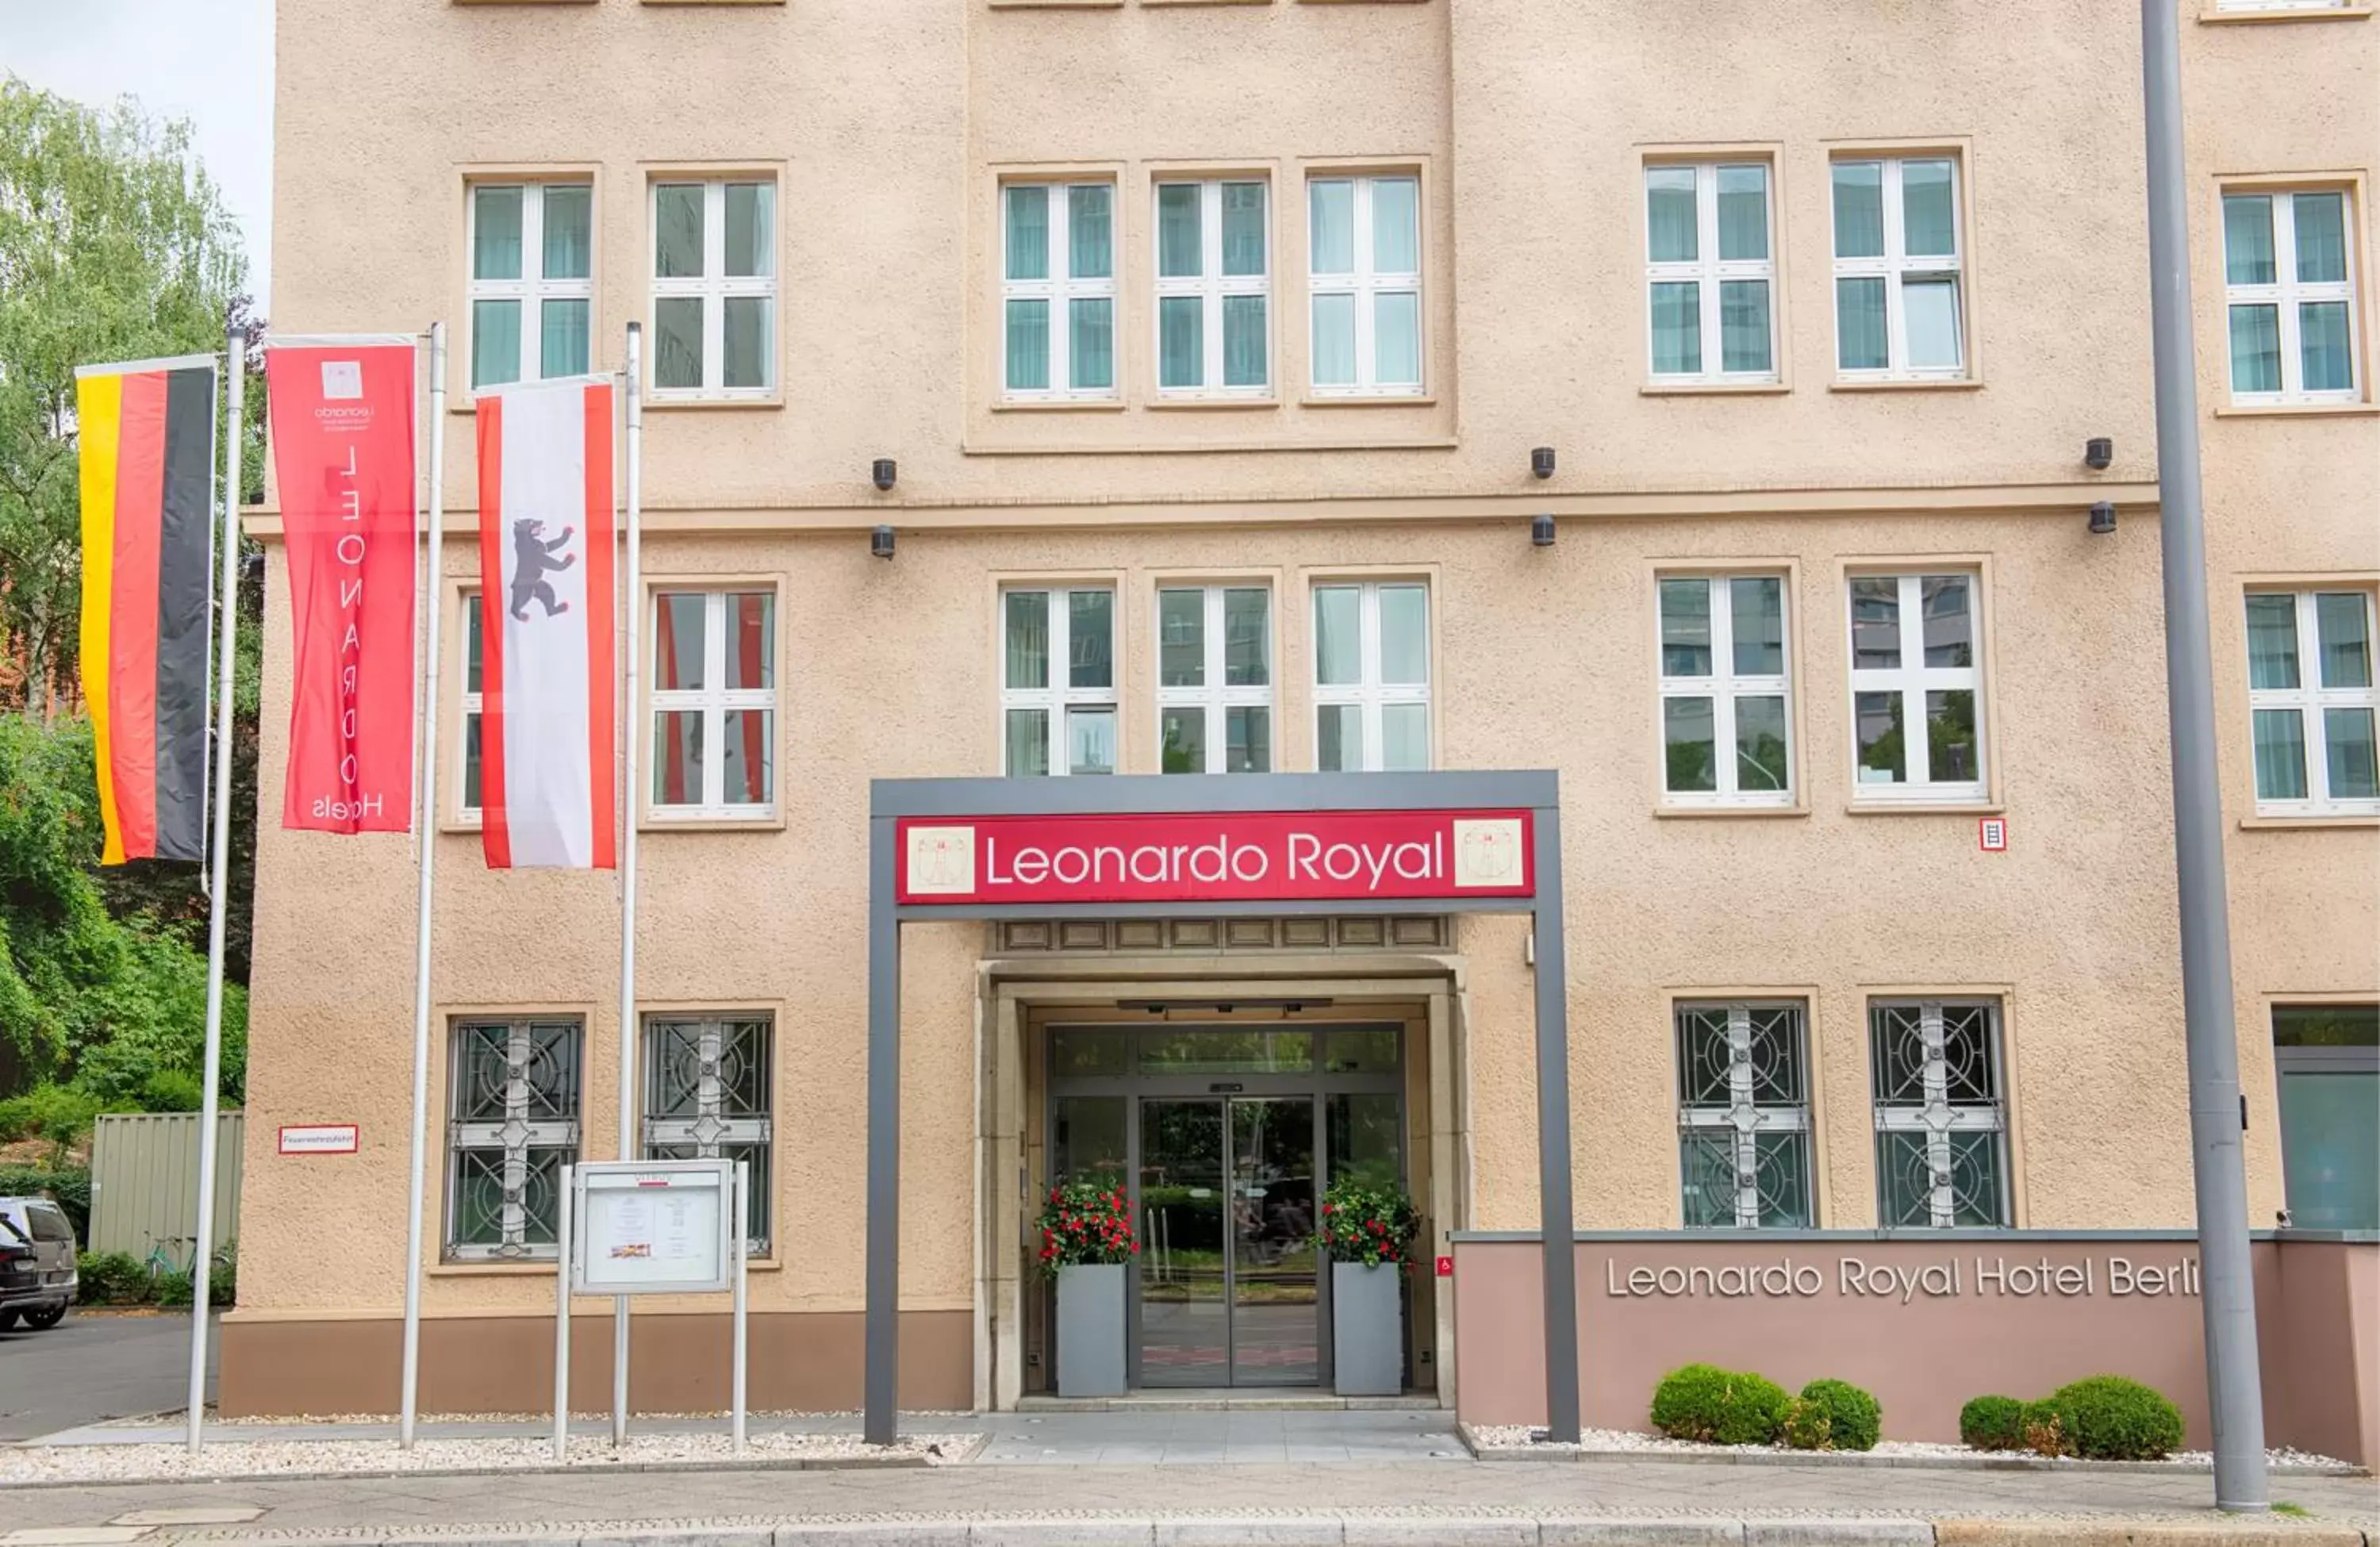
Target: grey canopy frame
point(890, 800)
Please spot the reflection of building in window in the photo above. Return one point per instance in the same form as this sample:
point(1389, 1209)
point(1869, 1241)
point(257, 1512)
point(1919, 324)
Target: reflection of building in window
point(2312, 718)
point(1726, 737)
point(1057, 681)
point(1916, 685)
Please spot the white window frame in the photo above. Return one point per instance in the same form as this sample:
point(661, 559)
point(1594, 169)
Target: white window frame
point(712, 1128)
point(713, 287)
point(1371, 694)
point(1912, 679)
point(1896, 265)
point(2309, 699)
point(1210, 286)
point(1723, 686)
point(2251, 7)
point(1059, 695)
point(1708, 270)
point(1213, 696)
point(473, 707)
point(1744, 1115)
point(2287, 293)
point(532, 290)
point(1062, 290)
point(1367, 285)
point(520, 1131)
point(1934, 1115)
point(713, 701)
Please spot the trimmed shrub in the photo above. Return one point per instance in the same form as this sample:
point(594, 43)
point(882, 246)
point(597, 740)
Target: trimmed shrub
point(175, 1290)
point(2111, 1417)
point(1991, 1423)
point(112, 1278)
point(2044, 1429)
point(222, 1283)
point(1705, 1403)
point(1807, 1425)
point(1854, 1418)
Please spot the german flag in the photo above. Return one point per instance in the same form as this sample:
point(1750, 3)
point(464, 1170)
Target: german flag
point(148, 457)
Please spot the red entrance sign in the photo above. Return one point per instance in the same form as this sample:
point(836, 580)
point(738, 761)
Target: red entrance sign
point(1216, 856)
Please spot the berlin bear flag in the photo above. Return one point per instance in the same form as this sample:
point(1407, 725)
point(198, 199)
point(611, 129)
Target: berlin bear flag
point(342, 412)
point(547, 616)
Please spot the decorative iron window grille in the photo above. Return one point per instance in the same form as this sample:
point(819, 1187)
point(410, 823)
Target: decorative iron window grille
point(708, 1097)
point(512, 1126)
point(1744, 1115)
point(1941, 1121)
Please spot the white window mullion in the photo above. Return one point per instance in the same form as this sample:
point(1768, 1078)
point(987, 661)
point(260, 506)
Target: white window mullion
point(1211, 296)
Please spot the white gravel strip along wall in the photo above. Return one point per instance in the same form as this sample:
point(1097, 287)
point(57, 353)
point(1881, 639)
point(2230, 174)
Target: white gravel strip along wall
point(1513, 1440)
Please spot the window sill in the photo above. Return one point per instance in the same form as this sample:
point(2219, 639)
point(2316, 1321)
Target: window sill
point(2309, 823)
point(2340, 13)
point(1057, 4)
point(673, 405)
point(1376, 400)
point(1670, 813)
point(1962, 383)
point(648, 823)
point(1927, 808)
point(2296, 410)
point(1173, 404)
point(543, 1268)
point(1059, 406)
point(1714, 389)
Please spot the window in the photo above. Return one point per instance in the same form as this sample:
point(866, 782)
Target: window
point(1366, 283)
point(1710, 273)
point(2293, 302)
point(1213, 290)
point(1941, 1122)
point(1056, 684)
point(1371, 677)
point(1214, 679)
point(1897, 310)
point(714, 687)
point(714, 289)
point(1058, 297)
point(1743, 1115)
point(706, 1097)
point(2329, 1064)
point(473, 707)
point(2312, 718)
point(1723, 684)
point(512, 1126)
point(531, 286)
point(1915, 685)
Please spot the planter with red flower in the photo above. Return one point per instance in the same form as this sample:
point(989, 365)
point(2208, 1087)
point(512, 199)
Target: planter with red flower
point(1086, 1241)
point(1365, 1232)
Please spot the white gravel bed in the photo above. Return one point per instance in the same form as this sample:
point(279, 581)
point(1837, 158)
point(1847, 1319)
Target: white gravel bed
point(773, 1415)
point(1522, 1439)
point(228, 1458)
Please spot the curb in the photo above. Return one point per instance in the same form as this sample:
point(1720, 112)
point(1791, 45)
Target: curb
point(1721, 1455)
point(723, 1464)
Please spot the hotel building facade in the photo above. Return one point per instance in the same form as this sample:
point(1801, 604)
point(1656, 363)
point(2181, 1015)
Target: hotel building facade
point(1720, 407)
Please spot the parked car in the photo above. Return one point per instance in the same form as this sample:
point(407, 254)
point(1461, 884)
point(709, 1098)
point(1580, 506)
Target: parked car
point(37, 1264)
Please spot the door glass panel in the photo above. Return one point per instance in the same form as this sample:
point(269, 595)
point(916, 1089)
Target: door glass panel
point(1184, 1319)
point(1086, 1053)
point(1087, 1139)
point(1275, 1334)
point(1367, 1138)
point(1372, 1049)
point(2330, 1149)
point(1266, 1050)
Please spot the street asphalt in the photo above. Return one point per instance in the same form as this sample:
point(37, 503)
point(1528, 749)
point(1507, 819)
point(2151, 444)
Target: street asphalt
point(90, 1368)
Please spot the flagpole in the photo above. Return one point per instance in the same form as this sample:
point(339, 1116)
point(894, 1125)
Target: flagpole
point(202, 1261)
point(425, 840)
point(633, 612)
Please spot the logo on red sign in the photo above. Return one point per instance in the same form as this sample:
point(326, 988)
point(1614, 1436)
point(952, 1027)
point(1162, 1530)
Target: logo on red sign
point(1446, 1267)
point(1222, 857)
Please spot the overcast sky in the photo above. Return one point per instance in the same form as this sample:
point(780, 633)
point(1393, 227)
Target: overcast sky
point(209, 61)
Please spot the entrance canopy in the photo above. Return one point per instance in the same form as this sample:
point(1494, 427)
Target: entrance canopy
point(1214, 844)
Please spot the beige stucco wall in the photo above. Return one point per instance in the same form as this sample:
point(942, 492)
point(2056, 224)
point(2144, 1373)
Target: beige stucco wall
point(888, 125)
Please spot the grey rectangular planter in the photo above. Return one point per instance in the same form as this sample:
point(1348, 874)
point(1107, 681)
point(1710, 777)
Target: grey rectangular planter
point(1090, 1330)
point(1368, 1329)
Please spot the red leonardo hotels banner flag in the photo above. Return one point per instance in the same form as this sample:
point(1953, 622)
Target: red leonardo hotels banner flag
point(342, 415)
point(147, 432)
point(548, 778)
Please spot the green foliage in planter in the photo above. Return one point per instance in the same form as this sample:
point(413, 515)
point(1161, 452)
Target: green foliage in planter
point(1991, 1423)
point(1719, 1407)
point(2112, 1418)
point(1365, 1225)
point(1855, 1419)
point(1807, 1425)
point(1084, 1222)
point(2044, 1429)
point(112, 1278)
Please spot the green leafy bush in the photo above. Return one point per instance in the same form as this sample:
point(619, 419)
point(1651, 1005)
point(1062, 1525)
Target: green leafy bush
point(223, 1284)
point(2112, 1418)
point(176, 1290)
point(2044, 1429)
point(112, 1278)
point(58, 1113)
point(1991, 1423)
point(1719, 1407)
point(69, 1187)
point(1855, 1419)
point(1808, 1425)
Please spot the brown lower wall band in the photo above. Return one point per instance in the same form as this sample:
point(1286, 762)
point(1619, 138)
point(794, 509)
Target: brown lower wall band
point(802, 1361)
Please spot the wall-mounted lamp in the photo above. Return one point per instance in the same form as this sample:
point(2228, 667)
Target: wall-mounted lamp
point(880, 543)
point(2098, 452)
point(2102, 518)
point(886, 472)
point(1541, 461)
point(1541, 531)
